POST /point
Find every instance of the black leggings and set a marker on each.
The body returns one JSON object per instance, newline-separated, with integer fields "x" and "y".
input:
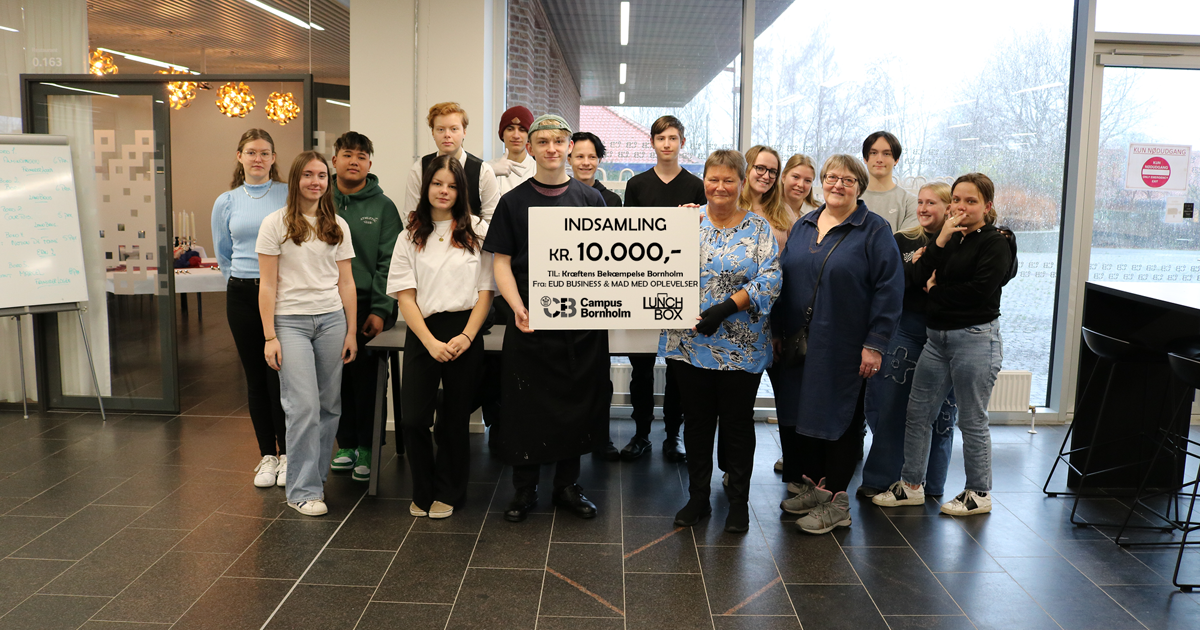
{"x": 262, "y": 383}
{"x": 833, "y": 460}
{"x": 442, "y": 477}
{"x": 712, "y": 397}
{"x": 641, "y": 394}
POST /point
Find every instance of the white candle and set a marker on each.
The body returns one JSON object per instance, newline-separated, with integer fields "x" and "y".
{"x": 175, "y": 224}
{"x": 192, "y": 226}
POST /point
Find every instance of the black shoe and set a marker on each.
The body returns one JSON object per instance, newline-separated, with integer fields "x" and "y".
{"x": 608, "y": 452}
{"x": 866, "y": 492}
{"x": 637, "y": 447}
{"x": 673, "y": 449}
{"x": 521, "y": 503}
{"x": 738, "y": 521}
{"x": 571, "y": 498}
{"x": 691, "y": 513}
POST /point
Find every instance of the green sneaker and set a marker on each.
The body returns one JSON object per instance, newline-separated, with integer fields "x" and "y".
{"x": 362, "y": 466}
{"x": 344, "y": 459}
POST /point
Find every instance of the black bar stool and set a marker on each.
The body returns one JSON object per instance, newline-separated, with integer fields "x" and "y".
{"x": 1111, "y": 352}
{"x": 1176, "y": 444}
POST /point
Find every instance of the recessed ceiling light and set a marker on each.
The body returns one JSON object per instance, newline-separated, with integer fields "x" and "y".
{"x": 11, "y": 30}
{"x": 624, "y": 23}
{"x": 145, "y": 60}
{"x": 333, "y": 102}
{"x": 74, "y": 89}
{"x": 622, "y": 74}
{"x": 287, "y": 16}
{"x": 621, "y": 98}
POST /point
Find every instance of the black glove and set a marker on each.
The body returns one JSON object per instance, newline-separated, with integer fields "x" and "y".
{"x": 711, "y": 319}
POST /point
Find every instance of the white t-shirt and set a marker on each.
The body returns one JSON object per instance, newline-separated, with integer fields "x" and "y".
{"x": 308, "y": 272}
{"x": 447, "y": 278}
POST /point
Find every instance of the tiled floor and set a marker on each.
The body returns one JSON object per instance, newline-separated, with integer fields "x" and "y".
{"x": 151, "y": 522}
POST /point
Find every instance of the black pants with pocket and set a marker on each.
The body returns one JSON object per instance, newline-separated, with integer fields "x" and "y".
{"x": 711, "y": 398}
{"x": 442, "y": 477}
{"x": 566, "y": 473}
{"x": 262, "y": 382}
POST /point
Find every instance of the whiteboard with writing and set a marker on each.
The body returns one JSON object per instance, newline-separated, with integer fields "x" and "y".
{"x": 41, "y": 254}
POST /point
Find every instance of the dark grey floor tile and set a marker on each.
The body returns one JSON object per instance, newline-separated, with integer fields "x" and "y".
{"x": 77, "y": 536}
{"x": 395, "y": 478}
{"x": 1162, "y": 561}
{"x": 68, "y": 497}
{"x": 341, "y": 495}
{"x": 115, "y": 564}
{"x": 711, "y": 530}
{"x": 584, "y": 580}
{"x": 187, "y": 507}
{"x": 256, "y": 502}
{"x": 224, "y": 533}
{"x": 235, "y": 604}
{"x": 166, "y": 590}
{"x": 469, "y": 518}
{"x": 666, "y": 601}
{"x": 17, "y": 531}
{"x": 900, "y": 583}
{"x": 313, "y": 606}
{"x": 1050, "y": 517}
{"x": 427, "y": 569}
{"x": 993, "y": 601}
{"x": 919, "y": 622}
{"x": 123, "y": 625}
{"x": 497, "y": 598}
{"x": 943, "y": 544}
{"x": 349, "y": 567}
{"x": 389, "y": 616}
{"x": 579, "y": 623}
{"x": 749, "y": 622}
{"x": 505, "y": 545}
{"x": 743, "y": 581}
{"x": 378, "y": 524}
{"x": 835, "y": 607}
{"x": 805, "y": 559}
{"x": 652, "y": 495}
{"x": 656, "y": 545}
{"x": 605, "y": 528}
{"x": 22, "y": 578}
{"x": 1004, "y": 535}
{"x": 284, "y": 550}
{"x": 1107, "y": 564}
{"x": 150, "y": 486}
{"x": 1162, "y": 607}
{"x": 870, "y": 527}
{"x": 52, "y": 612}
{"x": 37, "y": 478}
{"x": 1070, "y": 598}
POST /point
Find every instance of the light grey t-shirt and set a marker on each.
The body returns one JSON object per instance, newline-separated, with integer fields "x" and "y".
{"x": 897, "y": 205}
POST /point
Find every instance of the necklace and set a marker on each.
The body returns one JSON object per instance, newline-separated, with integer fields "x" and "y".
{"x": 441, "y": 235}
{"x": 722, "y": 227}
{"x": 260, "y": 196}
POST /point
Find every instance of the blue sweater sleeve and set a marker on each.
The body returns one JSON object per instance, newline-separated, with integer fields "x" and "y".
{"x": 764, "y": 288}
{"x": 222, "y": 238}
{"x": 887, "y": 279}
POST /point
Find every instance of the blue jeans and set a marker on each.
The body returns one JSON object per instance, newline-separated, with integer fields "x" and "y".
{"x": 967, "y": 360}
{"x": 887, "y": 404}
{"x": 310, "y": 386}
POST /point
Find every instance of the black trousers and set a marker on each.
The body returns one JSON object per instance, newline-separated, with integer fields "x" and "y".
{"x": 441, "y": 476}
{"x": 641, "y": 393}
{"x": 712, "y": 398}
{"x": 262, "y": 383}
{"x": 566, "y": 472}
{"x": 358, "y": 389}
{"x": 833, "y": 460}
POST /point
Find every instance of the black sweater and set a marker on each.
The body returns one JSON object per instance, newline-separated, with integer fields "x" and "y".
{"x": 915, "y": 299}
{"x": 970, "y": 272}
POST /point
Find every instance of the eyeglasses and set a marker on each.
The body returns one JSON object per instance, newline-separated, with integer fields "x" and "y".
{"x": 253, "y": 154}
{"x": 832, "y": 180}
{"x": 769, "y": 172}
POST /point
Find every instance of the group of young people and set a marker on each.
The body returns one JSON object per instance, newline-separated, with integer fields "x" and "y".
{"x": 320, "y": 264}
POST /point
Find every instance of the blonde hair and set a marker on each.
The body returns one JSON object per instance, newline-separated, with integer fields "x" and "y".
{"x": 942, "y": 190}
{"x": 799, "y": 160}
{"x": 849, "y": 163}
{"x": 445, "y": 109}
{"x": 774, "y": 210}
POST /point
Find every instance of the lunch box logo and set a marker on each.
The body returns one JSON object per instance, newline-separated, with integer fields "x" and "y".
{"x": 558, "y": 307}
{"x": 665, "y": 307}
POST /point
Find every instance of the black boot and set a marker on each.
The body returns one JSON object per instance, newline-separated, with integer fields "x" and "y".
{"x": 608, "y": 452}
{"x": 673, "y": 449}
{"x": 523, "y": 501}
{"x": 738, "y": 521}
{"x": 638, "y": 446}
{"x": 691, "y": 513}
{"x": 571, "y": 498}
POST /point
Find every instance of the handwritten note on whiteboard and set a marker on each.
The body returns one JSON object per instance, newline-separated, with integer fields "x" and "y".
{"x": 41, "y": 255}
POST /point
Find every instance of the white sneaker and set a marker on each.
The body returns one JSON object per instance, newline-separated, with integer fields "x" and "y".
{"x": 900, "y": 494}
{"x": 416, "y": 511}
{"x": 265, "y": 471}
{"x": 968, "y": 502}
{"x": 281, "y": 472}
{"x": 440, "y": 510}
{"x": 315, "y": 507}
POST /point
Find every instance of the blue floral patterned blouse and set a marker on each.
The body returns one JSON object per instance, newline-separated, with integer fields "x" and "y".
{"x": 745, "y": 256}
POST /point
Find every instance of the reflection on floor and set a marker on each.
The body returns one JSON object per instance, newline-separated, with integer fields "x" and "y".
{"x": 152, "y": 522}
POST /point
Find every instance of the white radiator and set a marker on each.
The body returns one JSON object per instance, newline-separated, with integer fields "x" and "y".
{"x": 1011, "y": 392}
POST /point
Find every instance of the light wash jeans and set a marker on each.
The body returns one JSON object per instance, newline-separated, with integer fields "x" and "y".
{"x": 886, "y": 408}
{"x": 967, "y": 360}
{"x": 310, "y": 386}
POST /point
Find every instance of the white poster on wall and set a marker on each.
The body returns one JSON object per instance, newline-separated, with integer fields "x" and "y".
{"x": 1158, "y": 167}
{"x": 613, "y": 268}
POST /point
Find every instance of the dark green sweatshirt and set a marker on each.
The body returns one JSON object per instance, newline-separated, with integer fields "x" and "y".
{"x": 374, "y": 225}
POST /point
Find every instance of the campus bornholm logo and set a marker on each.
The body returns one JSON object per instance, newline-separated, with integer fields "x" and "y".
{"x": 665, "y": 307}
{"x": 558, "y": 307}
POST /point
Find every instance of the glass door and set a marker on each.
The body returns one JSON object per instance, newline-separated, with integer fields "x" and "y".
{"x": 120, "y": 138}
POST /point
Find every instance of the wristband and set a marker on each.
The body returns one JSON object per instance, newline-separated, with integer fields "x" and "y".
{"x": 469, "y": 339}
{"x": 270, "y": 339}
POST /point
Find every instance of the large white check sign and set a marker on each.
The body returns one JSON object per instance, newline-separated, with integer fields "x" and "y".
{"x": 613, "y": 268}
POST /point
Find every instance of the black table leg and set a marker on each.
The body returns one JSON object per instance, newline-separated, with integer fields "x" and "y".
{"x": 377, "y": 443}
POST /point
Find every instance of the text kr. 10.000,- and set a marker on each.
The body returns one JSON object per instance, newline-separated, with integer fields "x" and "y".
{"x": 617, "y": 251}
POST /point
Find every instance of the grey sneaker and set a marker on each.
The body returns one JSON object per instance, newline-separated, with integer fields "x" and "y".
{"x": 809, "y": 496}
{"x": 827, "y": 516}
{"x": 900, "y": 494}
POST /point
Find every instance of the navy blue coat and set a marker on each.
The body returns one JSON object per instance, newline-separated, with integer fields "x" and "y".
{"x": 858, "y": 305}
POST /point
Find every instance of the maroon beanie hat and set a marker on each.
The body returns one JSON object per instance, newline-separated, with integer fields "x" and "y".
{"x": 518, "y": 115}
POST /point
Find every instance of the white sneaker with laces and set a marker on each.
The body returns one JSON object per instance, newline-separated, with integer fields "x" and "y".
{"x": 900, "y": 494}
{"x": 265, "y": 471}
{"x": 281, "y": 472}
{"x": 968, "y": 502}
{"x": 316, "y": 507}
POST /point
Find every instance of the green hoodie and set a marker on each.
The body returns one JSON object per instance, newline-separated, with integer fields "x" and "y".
{"x": 374, "y": 225}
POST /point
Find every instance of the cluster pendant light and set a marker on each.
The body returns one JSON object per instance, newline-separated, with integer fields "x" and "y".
{"x": 101, "y": 63}
{"x": 181, "y": 93}
{"x": 281, "y": 107}
{"x": 235, "y": 100}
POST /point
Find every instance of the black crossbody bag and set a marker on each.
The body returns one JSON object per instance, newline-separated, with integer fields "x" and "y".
{"x": 795, "y": 346}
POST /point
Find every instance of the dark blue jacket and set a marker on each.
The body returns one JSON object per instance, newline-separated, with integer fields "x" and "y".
{"x": 859, "y": 304}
